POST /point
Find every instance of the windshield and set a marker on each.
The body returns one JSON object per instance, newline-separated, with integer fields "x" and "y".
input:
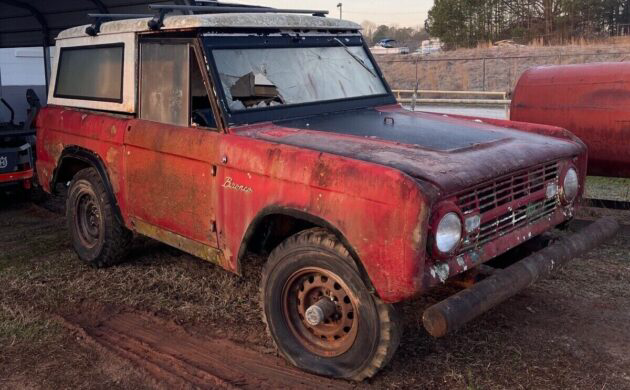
{"x": 268, "y": 77}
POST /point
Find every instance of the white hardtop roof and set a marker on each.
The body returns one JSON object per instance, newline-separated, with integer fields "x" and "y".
{"x": 237, "y": 20}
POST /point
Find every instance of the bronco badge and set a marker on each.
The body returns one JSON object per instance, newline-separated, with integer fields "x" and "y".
{"x": 4, "y": 161}
{"x": 229, "y": 184}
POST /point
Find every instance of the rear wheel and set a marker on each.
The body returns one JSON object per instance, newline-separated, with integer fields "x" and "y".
{"x": 319, "y": 312}
{"x": 98, "y": 235}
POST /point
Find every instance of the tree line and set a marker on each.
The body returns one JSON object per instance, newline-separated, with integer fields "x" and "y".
{"x": 465, "y": 23}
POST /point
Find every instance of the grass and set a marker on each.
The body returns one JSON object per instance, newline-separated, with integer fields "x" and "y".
{"x": 22, "y": 325}
{"x": 38, "y": 264}
{"x": 154, "y": 280}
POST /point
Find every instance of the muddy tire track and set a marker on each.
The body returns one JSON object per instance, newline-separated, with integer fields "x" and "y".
{"x": 177, "y": 358}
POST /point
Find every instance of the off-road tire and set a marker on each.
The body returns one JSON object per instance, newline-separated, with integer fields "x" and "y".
{"x": 109, "y": 245}
{"x": 379, "y": 330}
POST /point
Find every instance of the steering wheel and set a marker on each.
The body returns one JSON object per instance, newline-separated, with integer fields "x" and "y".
{"x": 199, "y": 118}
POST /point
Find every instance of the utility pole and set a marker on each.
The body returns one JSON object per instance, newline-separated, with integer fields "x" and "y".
{"x": 340, "y": 6}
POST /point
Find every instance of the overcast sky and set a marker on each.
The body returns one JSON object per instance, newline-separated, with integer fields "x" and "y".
{"x": 411, "y": 13}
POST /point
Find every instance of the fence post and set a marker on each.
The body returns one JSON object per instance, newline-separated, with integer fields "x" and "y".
{"x": 509, "y": 65}
{"x": 417, "y": 81}
{"x": 483, "y": 87}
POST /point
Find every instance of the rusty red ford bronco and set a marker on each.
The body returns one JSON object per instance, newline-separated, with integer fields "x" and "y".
{"x": 240, "y": 129}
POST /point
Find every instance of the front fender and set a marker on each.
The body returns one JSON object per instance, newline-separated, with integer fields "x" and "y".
{"x": 378, "y": 212}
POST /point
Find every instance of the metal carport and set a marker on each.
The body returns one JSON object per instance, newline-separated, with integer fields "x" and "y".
{"x": 36, "y": 23}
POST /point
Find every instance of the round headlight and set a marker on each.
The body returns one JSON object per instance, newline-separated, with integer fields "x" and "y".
{"x": 570, "y": 185}
{"x": 448, "y": 233}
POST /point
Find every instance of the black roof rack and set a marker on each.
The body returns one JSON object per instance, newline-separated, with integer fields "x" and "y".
{"x": 221, "y": 8}
{"x": 213, "y": 7}
{"x": 221, "y": 4}
{"x": 95, "y": 27}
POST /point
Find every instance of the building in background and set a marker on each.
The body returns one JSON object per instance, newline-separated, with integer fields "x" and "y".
{"x": 21, "y": 69}
{"x": 432, "y": 45}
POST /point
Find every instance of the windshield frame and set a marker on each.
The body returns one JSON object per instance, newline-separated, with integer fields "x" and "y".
{"x": 211, "y": 42}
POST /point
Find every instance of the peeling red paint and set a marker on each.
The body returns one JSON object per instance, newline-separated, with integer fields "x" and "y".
{"x": 590, "y": 100}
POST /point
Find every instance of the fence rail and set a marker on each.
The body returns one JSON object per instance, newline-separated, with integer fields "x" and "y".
{"x": 407, "y": 96}
{"x": 498, "y": 94}
{"x": 383, "y": 59}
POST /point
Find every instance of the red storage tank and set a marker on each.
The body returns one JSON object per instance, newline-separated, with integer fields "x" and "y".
{"x": 590, "y": 100}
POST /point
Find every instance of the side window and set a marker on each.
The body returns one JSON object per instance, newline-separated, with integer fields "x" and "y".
{"x": 91, "y": 73}
{"x": 171, "y": 86}
{"x": 164, "y": 83}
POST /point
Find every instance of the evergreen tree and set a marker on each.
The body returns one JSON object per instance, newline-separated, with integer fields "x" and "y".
{"x": 465, "y": 23}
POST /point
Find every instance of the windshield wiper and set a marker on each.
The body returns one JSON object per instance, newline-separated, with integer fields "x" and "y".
{"x": 354, "y": 56}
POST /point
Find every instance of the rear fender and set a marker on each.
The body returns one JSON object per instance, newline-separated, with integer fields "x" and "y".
{"x": 93, "y": 160}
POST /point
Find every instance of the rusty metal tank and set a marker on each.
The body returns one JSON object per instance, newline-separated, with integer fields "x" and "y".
{"x": 590, "y": 100}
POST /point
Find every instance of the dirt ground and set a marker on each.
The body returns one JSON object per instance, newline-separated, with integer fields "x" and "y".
{"x": 167, "y": 320}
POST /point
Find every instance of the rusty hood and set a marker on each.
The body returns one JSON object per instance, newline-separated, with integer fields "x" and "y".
{"x": 452, "y": 153}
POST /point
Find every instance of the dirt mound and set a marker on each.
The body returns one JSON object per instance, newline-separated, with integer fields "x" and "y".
{"x": 176, "y": 357}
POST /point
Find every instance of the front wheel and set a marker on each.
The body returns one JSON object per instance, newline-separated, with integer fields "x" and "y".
{"x": 319, "y": 312}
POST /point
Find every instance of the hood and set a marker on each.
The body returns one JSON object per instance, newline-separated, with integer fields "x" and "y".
{"x": 452, "y": 153}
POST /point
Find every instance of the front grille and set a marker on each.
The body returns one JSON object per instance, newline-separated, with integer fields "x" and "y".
{"x": 509, "y": 203}
{"x": 512, "y": 220}
{"x": 508, "y": 189}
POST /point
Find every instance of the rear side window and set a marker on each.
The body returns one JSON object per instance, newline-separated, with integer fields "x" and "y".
{"x": 90, "y": 73}
{"x": 165, "y": 83}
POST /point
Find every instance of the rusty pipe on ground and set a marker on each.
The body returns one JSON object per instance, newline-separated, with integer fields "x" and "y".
{"x": 456, "y": 310}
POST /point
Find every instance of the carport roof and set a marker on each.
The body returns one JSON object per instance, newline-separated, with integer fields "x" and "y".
{"x": 26, "y": 23}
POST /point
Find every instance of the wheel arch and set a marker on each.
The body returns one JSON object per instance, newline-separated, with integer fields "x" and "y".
{"x": 75, "y": 158}
{"x": 269, "y": 221}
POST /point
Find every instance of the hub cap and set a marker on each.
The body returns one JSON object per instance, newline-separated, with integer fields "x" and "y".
{"x": 320, "y": 311}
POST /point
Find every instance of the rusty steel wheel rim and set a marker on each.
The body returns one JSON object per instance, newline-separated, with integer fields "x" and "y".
{"x": 87, "y": 220}
{"x": 337, "y": 333}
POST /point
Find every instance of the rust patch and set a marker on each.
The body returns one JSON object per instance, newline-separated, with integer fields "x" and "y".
{"x": 322, "y": 174}
{"x": 195, "y": 248}
{"x": 418, "y": 235}
{"x": 112, "y": 165}
{"x": 54, "y": 149}
{"x": 603, "y": 95}
{"x": 112, "y": 155}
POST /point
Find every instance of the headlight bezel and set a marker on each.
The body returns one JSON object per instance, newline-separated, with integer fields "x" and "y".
{"x": 439, "y": 215}
{"x": 564, "y": 196}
